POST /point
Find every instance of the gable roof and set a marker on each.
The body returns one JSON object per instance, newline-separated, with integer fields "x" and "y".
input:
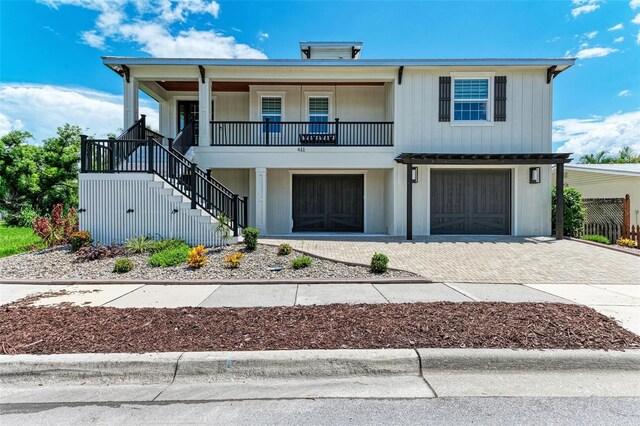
{"x": 625, "y": 169}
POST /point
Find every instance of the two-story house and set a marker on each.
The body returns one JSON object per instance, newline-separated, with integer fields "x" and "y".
{"x": 327, "y": 143}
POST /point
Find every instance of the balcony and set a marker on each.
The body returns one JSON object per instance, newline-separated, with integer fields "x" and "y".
{"x": 301, "y": 133}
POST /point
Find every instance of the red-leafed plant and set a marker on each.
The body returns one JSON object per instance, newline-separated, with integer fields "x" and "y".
{"x": 58, "y": 227}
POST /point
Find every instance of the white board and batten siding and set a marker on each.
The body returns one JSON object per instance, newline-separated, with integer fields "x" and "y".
{"x": 157, "y": 210}
{"x": 527, "y": 128}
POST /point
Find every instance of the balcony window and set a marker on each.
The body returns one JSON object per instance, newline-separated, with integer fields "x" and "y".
{"x": 318, "y": 114}
{"x": 272, "y": 110}
{"x": 470, "y": 99}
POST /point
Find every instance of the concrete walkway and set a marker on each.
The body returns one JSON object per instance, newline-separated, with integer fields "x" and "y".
{"x": 619, "y": 301}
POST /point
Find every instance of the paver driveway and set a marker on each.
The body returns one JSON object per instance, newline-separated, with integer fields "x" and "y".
{"x": 538, "y": 260}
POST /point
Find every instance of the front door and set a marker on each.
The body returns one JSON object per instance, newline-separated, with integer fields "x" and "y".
{"x": 328, "y": 203}
{"x": 188, "y": 110}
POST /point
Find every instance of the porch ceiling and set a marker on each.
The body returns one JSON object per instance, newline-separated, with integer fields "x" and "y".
{"x": 243, "y": 86}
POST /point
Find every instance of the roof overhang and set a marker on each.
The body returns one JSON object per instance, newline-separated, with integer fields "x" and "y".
{"x": 560, "y": 64}
{"x": 483, "y": 159}
{"x": 603, "y": 170}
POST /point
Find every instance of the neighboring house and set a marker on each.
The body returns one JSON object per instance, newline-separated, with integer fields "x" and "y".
{"x": 607, "y": 181}
{"x": 328, "y": 143}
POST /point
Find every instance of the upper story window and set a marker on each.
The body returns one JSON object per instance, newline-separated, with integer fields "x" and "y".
{"x": 272, "y": 110}
{"x": 470, "y": 99}
{"x": 318, "y": 114}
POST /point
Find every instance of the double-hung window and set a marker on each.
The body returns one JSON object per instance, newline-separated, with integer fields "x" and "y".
{"x": 470, "y": 99}
{"x": 318, "y": 114}
{"x": 272, "y": 110}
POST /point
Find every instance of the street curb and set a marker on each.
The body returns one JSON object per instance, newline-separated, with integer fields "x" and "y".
{"x": 413, "y": 280}
{"x": 167, "y": 368}
{"x": 528, "y": 360}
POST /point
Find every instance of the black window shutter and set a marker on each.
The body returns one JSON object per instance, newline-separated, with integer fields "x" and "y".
{"x": 444, "y": 104}
{"x": 500, "y": 98}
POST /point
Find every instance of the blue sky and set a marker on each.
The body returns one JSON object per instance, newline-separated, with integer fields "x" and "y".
{"x": 51, "y": 72}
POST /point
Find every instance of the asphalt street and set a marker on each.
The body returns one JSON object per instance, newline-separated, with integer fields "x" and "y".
{"x": 439, "y": 411}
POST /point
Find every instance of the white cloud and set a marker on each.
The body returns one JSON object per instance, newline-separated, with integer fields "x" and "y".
{"x": 41, "y": 109}
{"x": 636, "y": 20}
{"x": 635, "y": 4}
{"x": 262, "y": 36}
{"x": 591, "y": 35}
{"x": 618, "y": 39}
{"x": 595, "y": 52}
{"x": 584, "y": 6}
{"x": 638, "y": 38}
{"x": 616, "y": 27}
{"x": 154, "y": 26}
{"x": 591, "y": 135}
{"x": 624, "y": 93}
{"x": 93, "y": 39}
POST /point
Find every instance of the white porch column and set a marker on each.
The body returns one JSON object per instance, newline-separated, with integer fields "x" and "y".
{"x": 131, "y": 108}
{"x": 261, "y": 200}
{"x": 204, "y": 112}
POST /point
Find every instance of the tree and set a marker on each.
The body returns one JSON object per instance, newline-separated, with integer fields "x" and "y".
{"x": 626, "y": 155}
{"x": 19, "y": 174}
{"x": 35, "y": 178}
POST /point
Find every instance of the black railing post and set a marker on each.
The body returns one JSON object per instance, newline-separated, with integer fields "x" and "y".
{"x": 234, "y": 209}
{"x": 112, "y": 155}
{"x": 194, "y": 184}
{"x": 266, "y": 128}
{"x": 336, "y": 132}
{"x": 83, "y": 153}
{"x": 245, "y": 212}
{"x": 150, "y": 154}
{"x": 170, "y": 143}
{"x": 143, "y": 126}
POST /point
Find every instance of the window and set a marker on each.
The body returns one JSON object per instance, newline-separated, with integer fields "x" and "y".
{"x": 272, "y": 110}
{"x": 470, "y": 99}
{"x": 318, "y": 114}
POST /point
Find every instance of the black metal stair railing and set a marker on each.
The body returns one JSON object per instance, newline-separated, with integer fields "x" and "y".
{"x": 149, "y": 156}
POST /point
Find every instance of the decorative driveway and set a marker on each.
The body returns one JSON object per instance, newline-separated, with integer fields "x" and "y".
{"x": 538, "y": 260}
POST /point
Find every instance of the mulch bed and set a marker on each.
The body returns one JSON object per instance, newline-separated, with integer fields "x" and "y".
{"x": 47, "y": 330}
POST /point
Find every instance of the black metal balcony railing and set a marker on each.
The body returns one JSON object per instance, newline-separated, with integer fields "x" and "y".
{"x": 301, "y": 133}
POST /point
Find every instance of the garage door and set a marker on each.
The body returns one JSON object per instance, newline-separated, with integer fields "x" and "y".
{"x": 328, "y": 203}
{"x": 471, "y": 202}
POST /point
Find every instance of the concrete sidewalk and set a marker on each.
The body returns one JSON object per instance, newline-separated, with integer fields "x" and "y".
{"x": 620, "y": 301}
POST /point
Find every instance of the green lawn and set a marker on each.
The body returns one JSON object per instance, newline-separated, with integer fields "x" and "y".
{"x": 14, "y": 240}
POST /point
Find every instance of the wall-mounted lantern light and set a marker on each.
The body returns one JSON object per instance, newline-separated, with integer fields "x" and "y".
{"x": 414, "y": 174}
{"x": 534, "y": 175}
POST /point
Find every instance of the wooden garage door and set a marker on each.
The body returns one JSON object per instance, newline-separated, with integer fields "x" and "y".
{"x": 471, "y": 202}
{"x": 328, "y": 203}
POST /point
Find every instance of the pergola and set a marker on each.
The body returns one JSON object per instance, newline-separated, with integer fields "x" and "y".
{"x": 559, "y": 159}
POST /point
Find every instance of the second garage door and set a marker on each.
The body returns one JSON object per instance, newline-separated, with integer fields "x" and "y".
{"x": 328, "y": 203}
{"x": 471, "y": 202}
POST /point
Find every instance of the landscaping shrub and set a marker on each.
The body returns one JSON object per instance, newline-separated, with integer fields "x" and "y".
{"x": 233, "y": 260}
{"x": 99, "y": 252}
{"x": 597, "y": 238}
{"x": 122, "y": 266}
{"x": 379, "y": 263}
{"x": 138, "y": 244}
{"x": 222, "y": 229}
{"x": 197, "y": 257}
{"x": 573, "y": 211}
{"x": 160, "y": 245}
{"x": 626, "y": 242}
{"x": 80, "y": 239}
{"x": 301, "y": 262}
{"x": 58, "y": 227}
{"x": 284, "y": 249}
{"x": 172, "y": 255}
{"x": 250, "y": 238}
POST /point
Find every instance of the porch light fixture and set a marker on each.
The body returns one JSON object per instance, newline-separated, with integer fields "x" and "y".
{"x": 534, "y": 175}
{"x": 414, "y": 174}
